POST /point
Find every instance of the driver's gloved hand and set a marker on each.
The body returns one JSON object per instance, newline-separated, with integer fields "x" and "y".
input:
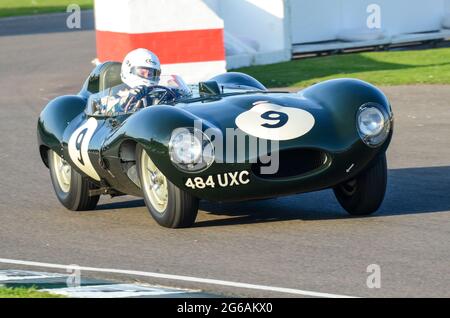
{"x": 140, "y": 92}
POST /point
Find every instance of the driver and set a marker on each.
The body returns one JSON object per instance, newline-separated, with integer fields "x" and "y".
{"x": 140, "y": 71}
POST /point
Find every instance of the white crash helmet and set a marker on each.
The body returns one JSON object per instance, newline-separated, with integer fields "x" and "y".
{"x": 141, "y": 67}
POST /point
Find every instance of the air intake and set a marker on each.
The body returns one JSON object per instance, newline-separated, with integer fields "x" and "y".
{"x": 294, "y": 163}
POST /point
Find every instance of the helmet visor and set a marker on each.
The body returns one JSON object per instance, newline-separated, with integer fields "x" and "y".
{"x": 148, "y": 73}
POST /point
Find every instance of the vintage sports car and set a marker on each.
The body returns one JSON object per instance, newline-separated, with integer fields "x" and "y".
{"x": 170, "y": 148}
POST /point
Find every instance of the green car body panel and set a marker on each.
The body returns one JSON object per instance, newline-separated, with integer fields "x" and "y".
{"x": 333, "y": 104}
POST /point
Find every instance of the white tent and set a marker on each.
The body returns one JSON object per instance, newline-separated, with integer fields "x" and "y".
{"x": 279, "y": 27}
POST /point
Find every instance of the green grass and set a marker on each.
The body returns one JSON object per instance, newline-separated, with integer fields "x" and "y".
{"x": 6, "y": 292}
{"x": 10, "y": 8}
{"x": 379, "y": 68}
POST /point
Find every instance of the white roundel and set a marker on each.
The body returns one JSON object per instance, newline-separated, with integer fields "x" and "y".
{"x": 275, "y": 122}
{"x": 79, "y": 146}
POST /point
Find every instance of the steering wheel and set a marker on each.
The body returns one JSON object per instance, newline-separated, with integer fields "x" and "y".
{"x": 168, "y": 96}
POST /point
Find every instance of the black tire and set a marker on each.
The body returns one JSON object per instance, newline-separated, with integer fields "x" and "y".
{"x": 77, "y": 197}
{"x": 181, "y": 208}
{"x": 364, "y": 194}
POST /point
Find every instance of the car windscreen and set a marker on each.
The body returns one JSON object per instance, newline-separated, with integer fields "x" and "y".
{"x": 114, "y": 101}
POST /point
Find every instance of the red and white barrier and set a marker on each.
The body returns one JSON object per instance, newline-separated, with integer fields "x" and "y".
{"x": 187, "y": 35}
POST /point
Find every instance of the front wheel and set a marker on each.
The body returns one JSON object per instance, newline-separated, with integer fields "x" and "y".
{"x": 364, "y": 194}
{"x": 170, "y": 206}
{"x": 71, "y": 188}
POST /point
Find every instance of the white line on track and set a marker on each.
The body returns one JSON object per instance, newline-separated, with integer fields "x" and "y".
{"x": 179, "y": 278}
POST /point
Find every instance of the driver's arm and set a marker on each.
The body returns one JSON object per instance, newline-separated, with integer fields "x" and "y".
{"x": 140, "y": 92}
{"x": 135, "y": 96}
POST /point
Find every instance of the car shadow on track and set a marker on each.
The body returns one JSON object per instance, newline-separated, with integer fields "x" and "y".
{"x": 121, "y": 205}
{"x": 410, "y": 191}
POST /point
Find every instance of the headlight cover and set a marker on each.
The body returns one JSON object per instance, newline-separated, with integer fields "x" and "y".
{"x": 190, "y": 149}
{"x": 373, "y": 123}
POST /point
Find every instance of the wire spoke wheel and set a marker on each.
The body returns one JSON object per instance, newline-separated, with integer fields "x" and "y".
{"x": 349, "y": 188}
{"x": 154, "y": 184}
{"x": 364, "y": 194}
{"x": 71, "y": 188}
{"x": 168, "y": 205}
{"x": 63, "y": 172}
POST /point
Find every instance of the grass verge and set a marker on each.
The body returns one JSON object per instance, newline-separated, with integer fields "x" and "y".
{"x": 9, "y": 8}
{"x": 379, "y": 68}
{"x": 6, "y": 292}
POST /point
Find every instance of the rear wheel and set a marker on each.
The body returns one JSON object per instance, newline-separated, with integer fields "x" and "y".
{"x": 170, "y": 206}
{"x": 71, "y": 188}
{"x": 364, "y": 194}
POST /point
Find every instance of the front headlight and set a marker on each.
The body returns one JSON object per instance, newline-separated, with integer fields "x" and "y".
{"x": 373, "y": 123}
{"x": 190, "y": 150}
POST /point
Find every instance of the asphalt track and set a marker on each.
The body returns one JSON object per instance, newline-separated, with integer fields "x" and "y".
{"x": 304, "y": 242}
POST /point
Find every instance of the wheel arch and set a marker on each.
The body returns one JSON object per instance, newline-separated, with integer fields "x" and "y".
{"x": 53, "y": 121}
{"x": 345, "y": 94}
{"x": 152, "y": 129}
{"x": 43, "y": 151}
{"x": 240, "y": 79}
{"x": 342, "y": 98}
